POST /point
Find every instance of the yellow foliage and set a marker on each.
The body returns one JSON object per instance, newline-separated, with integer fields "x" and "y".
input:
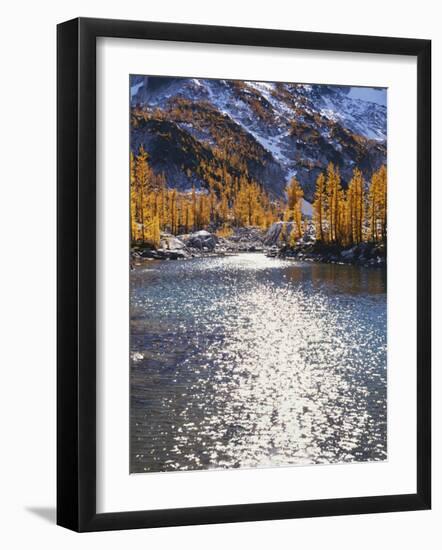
{"x": 342, "y": 216}
{"x": 348, "y": 217}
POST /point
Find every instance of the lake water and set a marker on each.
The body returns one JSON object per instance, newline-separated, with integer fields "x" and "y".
{"x": 249, "y": 361}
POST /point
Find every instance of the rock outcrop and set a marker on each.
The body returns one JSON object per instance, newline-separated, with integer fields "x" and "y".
{"x": 280, "y": 232}
{"x": 201, "y": 240}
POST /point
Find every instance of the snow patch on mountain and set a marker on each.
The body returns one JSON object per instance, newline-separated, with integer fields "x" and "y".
{"x": 134, "y": 89}
{"x": 307, "y": 208}
{"x": 362, "y": 117}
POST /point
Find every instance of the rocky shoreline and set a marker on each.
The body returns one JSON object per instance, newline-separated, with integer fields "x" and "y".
{"x": 363, "y": 254}
{"x": 204, "y": 243}
{"x": 200, "y": 244}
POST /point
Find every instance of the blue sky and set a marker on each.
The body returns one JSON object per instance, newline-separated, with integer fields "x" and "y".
{"x": 376, "y": 95}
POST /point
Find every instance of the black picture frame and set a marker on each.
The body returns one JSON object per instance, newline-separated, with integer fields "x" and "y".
{"x": 77, "y": 286}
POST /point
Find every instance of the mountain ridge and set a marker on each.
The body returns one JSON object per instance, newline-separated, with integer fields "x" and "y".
{"x": 272, "y": 130}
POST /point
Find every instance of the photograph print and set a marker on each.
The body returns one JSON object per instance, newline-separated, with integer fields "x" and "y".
{"x": 258, "y": 261}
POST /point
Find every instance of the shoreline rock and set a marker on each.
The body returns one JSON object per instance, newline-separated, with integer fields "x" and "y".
{"x": 364, "y": 254}
{"x": 200, "y": 244}
{"x": 206, "y": 244}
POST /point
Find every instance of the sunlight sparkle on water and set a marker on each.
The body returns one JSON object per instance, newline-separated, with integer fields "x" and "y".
{"x": 251, "y": 361}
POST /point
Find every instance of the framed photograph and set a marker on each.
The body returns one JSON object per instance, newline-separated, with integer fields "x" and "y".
{"x": 230, "y": 202}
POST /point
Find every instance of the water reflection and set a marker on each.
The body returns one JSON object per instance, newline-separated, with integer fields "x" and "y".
{"x": 248, "y": 361}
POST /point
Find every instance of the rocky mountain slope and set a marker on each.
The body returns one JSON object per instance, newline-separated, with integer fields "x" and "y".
{"x": 199, "y": 128}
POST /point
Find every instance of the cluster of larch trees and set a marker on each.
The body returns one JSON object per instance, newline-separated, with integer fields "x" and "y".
{"x": 341, "y": 216}
{"x": 350, "y": 216}
{"x": 156, "y": 208}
